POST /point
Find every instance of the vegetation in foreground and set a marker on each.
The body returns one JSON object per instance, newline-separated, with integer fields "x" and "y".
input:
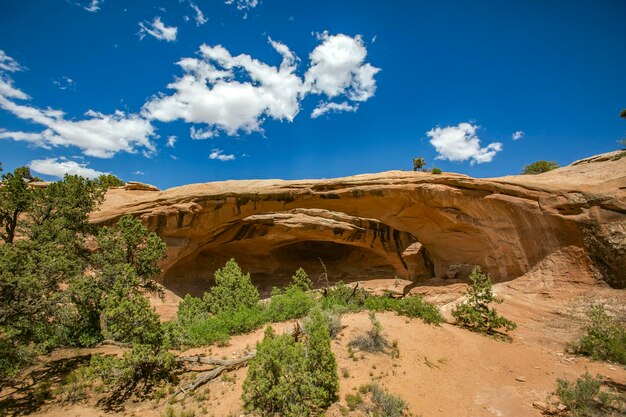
{"x": 604, "y": 338}
{"x": 293, "y": 377}
{"x": 373, "y": 400}
{"x": 58, "y": 291}
{"x": 588, "y": 396}
{"x": 475, "y": 313}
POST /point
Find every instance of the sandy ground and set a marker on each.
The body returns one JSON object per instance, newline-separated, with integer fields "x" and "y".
{"x": 441, "y": 370}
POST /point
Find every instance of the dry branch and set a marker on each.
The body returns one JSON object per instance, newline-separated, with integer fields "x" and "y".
{"x": 203, "y": 378}
{"x": 222, "y": 365}
{"x": 110, "y": 342}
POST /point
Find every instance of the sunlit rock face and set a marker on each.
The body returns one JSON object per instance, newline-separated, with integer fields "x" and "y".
{"x": 408, "y": 225}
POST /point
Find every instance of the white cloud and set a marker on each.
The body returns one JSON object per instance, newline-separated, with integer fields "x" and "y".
{"x": 338, "y": 67}
{"x": 64, "y": 83}
{"x": 100, "y": 135}
{"x": 218, "y": 154}
{"x": 9, "y": 64}
{"x": 460, "y": 143}
{"x": 517, "y": 135}
{"x": 324, "y": 108}
{"x": 58, "y": 167}
{"x": 158, "y": 30}
{"x": 34, "y": 138}
{"x": 8, "y": 90}
{"x": 234, "y": 94}
{"x": 139, "y": 173}
{"x": 221, "y": 92}
{"x": 243, "y": 4}
{"x": 209, "y": 92}
{"x": 200, "y": 19}
{"x": 171, "y": 141}
{"x": 201, "y": 134}
{"x": 93, "y": 6}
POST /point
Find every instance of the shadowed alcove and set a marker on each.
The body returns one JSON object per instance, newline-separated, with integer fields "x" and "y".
{"x": 272, "y": 247}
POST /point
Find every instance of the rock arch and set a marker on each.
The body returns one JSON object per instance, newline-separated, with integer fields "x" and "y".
{"x": 411, "y": 225}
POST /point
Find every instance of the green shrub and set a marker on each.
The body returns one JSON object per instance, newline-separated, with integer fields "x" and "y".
{"x": 411, "y": 306}
{"x": 415, "y": 306}
{"x": 195, "y": 326}
{"x": 354, "y": 401}
{"x": 109, "y": 180}
{"x": 586, "y": 398}
{"x": 290, "y": 304}
{"x": 232, "y": 290}
{"x": 301, "y": 280}
{"x": 373, "y": 341}
{"x": 321, "y": 362}
{"x": 127, "y": 315}
{"x": 293, "y": 378}
{"x": 604, "y": 339}
{"x": 141, "y": 363}
{"x": 475, "y": 313}
{"x": 344, "y": 297}
{"x": 539, "y": 167}
{"x": 418, "y": 163}
{"x": 333, "y": 319}
{"x": 435, "y": 170}
{"x": 382, "y": 403}
{"x": 241, "y": 320}
{"x": 205, "y": 330}
{"x": 191, "y": 309}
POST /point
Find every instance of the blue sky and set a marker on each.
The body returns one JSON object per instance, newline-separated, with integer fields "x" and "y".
{"x": 102, "y": 86}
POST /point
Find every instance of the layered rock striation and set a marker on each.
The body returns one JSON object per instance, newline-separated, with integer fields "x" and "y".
{"x": 401, "y": 224}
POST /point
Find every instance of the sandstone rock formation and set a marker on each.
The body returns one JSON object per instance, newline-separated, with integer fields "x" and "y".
{"x": 409, "y": 225}
{"x": 139, "y": 186}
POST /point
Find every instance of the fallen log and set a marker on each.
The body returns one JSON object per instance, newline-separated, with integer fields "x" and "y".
{"x": 110, "y": 342}
{"x": 222, "y": 365}
{"x": 203, "y": 378}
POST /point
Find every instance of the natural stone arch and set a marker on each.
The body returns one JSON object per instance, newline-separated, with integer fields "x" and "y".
{"x": 507, "y": 226}
{"x": 271, "y": 246}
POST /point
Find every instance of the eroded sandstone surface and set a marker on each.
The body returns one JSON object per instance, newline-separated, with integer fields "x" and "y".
{"x": 411, "y": 225}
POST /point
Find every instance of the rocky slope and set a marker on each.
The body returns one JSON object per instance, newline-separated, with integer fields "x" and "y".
{"x": 415, "y": 226}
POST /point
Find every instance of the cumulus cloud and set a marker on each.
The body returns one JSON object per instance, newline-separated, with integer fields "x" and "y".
{"x": 331, "y": 107}
{"x": 199, "y": 17}
{"x": 235, "y": 94}
{"x": 157, "y": 29}
{"x": 338, "y": 67}
{"x": 171, "y": 141}
{"x": 218, "y": 91}
{"x": 517, "y": 135}
{"x": 201, "y": 134}
{"x": 58, "y": 167}
{"x": 97, "y": 134}
{"x": 100, "y": 135}
{"x": 209, "y": 92}
{"x": 220, "y": 156}
{"x": 460, "y": 143}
